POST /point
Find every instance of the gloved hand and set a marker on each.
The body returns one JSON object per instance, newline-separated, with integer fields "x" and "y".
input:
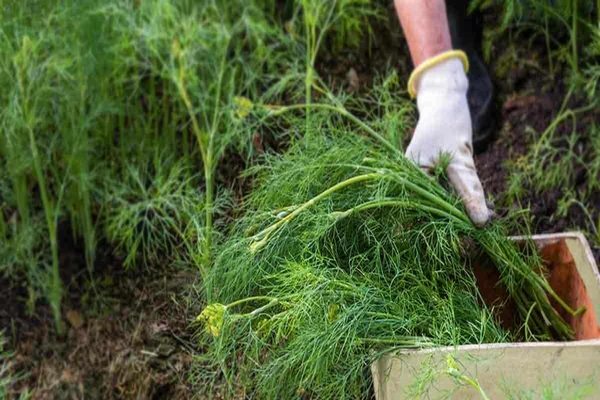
{"x": 445, "y": 127}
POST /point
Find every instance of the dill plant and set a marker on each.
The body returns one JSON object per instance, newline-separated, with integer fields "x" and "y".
{"x": 565, "y": 26}
{"x": 147, "y": 216}
{"x": 28, "y": 78}
{"x": 205, "y": 55}
{"x": 109, "y": 110}
{"x": 564, "y": 154}
{"x": 347, "y": 250}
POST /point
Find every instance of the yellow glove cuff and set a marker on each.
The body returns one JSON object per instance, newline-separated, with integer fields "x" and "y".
{"x": 433, "y": 61}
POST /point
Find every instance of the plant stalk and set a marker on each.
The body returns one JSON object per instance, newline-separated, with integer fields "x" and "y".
{"x": 343, "y": 112}
{"x": 202, "y": 138}
{"x": 263, "y": 235}
{"x": 249, "y": 299}
{"x": 574, "y": 37}
{"x": 399, "y": 203}
{"x": 55, "y": 296}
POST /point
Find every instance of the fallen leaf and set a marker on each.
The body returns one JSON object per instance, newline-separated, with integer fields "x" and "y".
{"x": 158, "y": 327}
{"x": 353, "y": 79}
{"x": 68, "y": 376}
{"x": 75, "y": 318}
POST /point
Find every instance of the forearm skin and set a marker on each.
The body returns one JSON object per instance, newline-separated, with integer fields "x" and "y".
{"x": 425, "y": 26}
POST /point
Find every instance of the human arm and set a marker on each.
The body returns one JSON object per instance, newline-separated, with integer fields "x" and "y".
{"x": 444, "y": 125}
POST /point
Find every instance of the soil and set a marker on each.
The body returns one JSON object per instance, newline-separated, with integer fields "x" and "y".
{"x": 129, "y": 338}
{"x": 532, "y": 100}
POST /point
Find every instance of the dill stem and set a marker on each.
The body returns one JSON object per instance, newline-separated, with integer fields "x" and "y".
{"x": 208, "y": 205}
{"x": 538, "y": 285}
{"x": 545, "y": 285}
{"x": 200, "y": 136}
{"x": 360, "y": 178}
{"x": 454, "y": 212}
{"x": 342, "y": 111}
{"x": 471, "y": 382}
{"x": 401, "y": 203}
{"x": 249, "y": 299}
{"x": 434, "y": 199}
{"x": 536, "y": 321}
{"x": 206, "y": 154}
{"x": 209, "y": 168}
{"x": 49, "y": 212}
{"x": 55, "y": 291}
{"x": 259, "y": 310}
{"x": 409, "y": 341}
{"x": 527, "y": 330}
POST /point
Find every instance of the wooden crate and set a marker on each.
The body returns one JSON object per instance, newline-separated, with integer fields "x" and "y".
{"x": 498, "y": 368}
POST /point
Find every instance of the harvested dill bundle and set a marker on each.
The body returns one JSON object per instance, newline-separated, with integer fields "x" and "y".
{"x": 347, "y": 250}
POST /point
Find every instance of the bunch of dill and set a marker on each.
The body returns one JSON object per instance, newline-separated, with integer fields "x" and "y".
{"x": 346, "y": 250}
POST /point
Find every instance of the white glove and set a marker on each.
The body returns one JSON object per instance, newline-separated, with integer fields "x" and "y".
{"x": 445, "y": 127}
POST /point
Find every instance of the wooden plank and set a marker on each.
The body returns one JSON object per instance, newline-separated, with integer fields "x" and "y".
{"x": 523, "y": 366}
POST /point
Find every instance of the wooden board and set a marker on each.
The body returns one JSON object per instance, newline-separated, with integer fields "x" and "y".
{"x": 499, "y": 368}
{"x": 516, "y": 366}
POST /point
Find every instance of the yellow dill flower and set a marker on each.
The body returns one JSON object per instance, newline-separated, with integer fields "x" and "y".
{"x": 212, "y": 318}
{"x": 243, "y": 106}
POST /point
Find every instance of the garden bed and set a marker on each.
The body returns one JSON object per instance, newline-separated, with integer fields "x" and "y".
{"x": 127, "y": 330}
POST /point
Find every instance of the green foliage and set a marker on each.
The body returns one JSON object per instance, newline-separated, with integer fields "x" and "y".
{"x": 554, "y": 160}
{"x": 346, "y": 21}
{"x": 8, "y": 377}
{"x": 43, "y": 135}
{"x": 386, "y": 106}
{"x": 91, "y": 111}
{"x": 149, "y": 210}
{"x": 591, "y": 71}
{"x": 346, "y": 250}
{"x": 116, "y": 114}
{"x": 566, "y": 152}
{"x": 565, "y": 26}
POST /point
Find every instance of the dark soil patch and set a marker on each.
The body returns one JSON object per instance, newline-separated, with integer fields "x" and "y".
{"x": 127, "y": 338}
{"x": 533, "y": 102}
